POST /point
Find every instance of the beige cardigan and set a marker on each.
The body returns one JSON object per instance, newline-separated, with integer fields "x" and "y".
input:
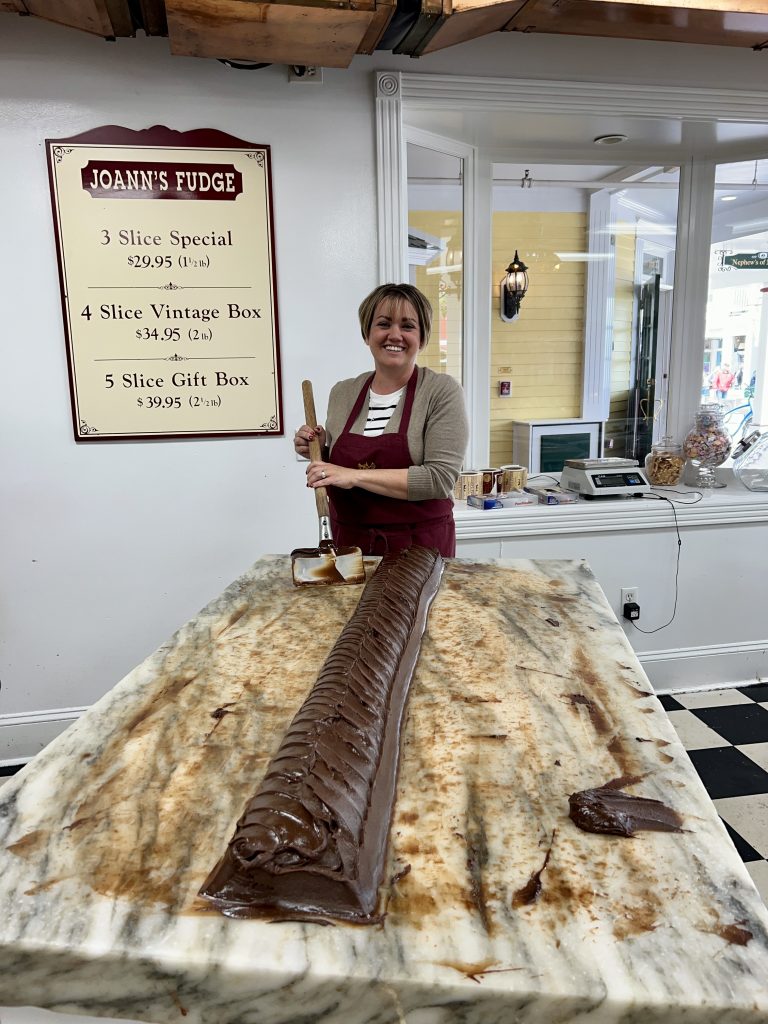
{"x": 437, "y": 433}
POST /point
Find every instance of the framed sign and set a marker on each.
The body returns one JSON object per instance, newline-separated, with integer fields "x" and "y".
{"x": 167, "y": 270}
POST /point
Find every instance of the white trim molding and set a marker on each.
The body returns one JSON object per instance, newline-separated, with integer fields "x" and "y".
{"x": 689, "y": 314}
{"x": 599, "y": 308}
{"x": 712, "y": 666}
{"x": 25, "y": 734}
{"x": 392, "y": 188}
{"x": 436, "y": 92}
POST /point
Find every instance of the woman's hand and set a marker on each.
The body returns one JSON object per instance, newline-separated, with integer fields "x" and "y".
{"x": 304, "y": 435}
{"x": 392, "y": 483}
{"x": 325, "y": 474}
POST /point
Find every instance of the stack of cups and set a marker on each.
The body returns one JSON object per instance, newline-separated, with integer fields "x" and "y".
{"x": 469, "y": 482}
{"x": 511, "y": 478}
{"x": 493, "y": 480}
{"x": 504, "y": 479}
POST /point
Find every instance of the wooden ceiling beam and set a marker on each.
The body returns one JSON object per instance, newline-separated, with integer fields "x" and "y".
{"x": 729, "y": 6}
{"x": 471, "y": 19}
{"x": 322, "y": 33}
{"x": 630, "y": 19}
{"x": 431, "y": 17}
{"x": 153, "y": 17}
{"x": 107, "y": 18}
{"x": 328, "y": 33}
{"x": 379, "y": 23}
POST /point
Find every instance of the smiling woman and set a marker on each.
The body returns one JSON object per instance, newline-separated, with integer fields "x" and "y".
{"x": 395, "y": 439}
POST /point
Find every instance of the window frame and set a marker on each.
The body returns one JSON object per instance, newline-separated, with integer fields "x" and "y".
{"x": 396, "y": 92}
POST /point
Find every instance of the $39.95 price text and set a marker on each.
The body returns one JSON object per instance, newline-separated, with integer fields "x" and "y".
{"x": 174, "y": 402}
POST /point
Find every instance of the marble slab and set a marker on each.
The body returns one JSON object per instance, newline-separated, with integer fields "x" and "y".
{"x": 526, "y": 690}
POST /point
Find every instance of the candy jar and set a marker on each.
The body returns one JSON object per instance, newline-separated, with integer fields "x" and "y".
{"x": 750, "y": 459}
{"x": 664, "y": 463}
{"x": 706, "y": 446}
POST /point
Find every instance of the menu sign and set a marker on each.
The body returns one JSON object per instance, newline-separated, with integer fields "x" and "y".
{"x": 166, "y": 262}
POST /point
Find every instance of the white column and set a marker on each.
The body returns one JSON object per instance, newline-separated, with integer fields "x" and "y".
{"x": 760, "y": 399}
{"x": 392, "y": 185}
{"x": 694, "y": 240}
{"x": 598, "y": 317}
{"x": 479, "y": 308}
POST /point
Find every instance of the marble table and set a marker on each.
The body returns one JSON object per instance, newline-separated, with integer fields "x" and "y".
{"x": 526, "y": 690}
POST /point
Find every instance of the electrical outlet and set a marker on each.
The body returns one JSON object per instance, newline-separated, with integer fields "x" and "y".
{"x": 630, "y": 595}
{"x": 305, "y": 73}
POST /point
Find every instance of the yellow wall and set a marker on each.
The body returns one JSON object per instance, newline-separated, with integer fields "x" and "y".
{"x": 544, "y": 347}
{"x": 446, "y": 225}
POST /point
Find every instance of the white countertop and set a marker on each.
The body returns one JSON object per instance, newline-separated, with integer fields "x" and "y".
{"x": 730, "y": 504}
{"x": 526, "y": 690}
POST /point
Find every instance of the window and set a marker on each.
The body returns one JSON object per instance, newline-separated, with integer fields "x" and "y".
{"x": 487, "y": 121}
{"x": 735, "y": 353}
{"x": 435, "y": 251}
{"x": 592, "y": 338}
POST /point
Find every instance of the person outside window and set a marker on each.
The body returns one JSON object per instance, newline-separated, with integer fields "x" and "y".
{"x": 723, "y": 381}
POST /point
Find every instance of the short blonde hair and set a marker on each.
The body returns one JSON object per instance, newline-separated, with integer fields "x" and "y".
{"x": 397, "y": 293}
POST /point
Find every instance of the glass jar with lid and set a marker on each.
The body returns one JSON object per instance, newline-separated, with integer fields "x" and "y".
{"x": 750, "y": 459}
{"x": 706, "y": 446}
{"x": 664, "y": 463}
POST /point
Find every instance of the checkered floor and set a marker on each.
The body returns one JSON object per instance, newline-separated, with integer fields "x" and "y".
{"x": 726, "y": 735}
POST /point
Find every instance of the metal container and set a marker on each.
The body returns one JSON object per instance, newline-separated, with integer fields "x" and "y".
{"x": 750, "y": 465}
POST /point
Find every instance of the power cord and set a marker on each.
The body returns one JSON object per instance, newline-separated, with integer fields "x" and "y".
{"x": 543, "y": 476}
{"x": 671, "y": 502}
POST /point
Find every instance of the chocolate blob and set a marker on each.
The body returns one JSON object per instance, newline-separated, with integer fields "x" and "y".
{"x": 610, "y": 810}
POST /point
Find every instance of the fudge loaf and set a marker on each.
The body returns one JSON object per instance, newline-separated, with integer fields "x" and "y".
{"x": 312, "y": 841}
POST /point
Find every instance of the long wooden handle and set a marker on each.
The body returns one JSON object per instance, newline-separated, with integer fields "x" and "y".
{"x": 315, "y": 451}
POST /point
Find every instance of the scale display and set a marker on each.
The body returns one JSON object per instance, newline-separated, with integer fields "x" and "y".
{"x": 617, "y": 480}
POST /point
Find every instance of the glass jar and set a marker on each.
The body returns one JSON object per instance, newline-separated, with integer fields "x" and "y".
{"x": 706, "y": 446}
{"x": 664, "y": 463}
{"x": 750, "y": 459}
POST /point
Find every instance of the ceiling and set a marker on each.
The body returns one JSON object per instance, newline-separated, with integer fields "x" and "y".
{"x": 328, "y": 33}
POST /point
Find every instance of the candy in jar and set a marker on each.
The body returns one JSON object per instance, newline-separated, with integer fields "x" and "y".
{"x": 707, "y": 446}
{"x": 664, "y": 463}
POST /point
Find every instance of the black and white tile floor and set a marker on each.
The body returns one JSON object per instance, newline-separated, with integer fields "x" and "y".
{"x": 726, "y": 735}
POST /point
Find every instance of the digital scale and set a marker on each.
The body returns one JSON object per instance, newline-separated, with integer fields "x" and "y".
{"x": 604, "y": 478}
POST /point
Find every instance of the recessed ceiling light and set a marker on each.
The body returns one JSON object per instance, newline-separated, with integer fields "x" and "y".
{"x": 727, "y": 199}
{"x": 609, "y": 140}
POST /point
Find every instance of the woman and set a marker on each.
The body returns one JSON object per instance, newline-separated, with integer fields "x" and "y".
{"x": 394, "y": 439}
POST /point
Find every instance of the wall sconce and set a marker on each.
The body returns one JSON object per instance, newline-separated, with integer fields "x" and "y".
{"x": 514, "y": 285}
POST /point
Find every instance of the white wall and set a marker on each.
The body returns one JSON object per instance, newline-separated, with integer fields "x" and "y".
{"x": 108, "y": 548}
{"x": 105, "y": 549}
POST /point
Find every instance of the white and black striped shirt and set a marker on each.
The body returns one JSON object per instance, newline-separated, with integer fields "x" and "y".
{"x": 380, "y": 409}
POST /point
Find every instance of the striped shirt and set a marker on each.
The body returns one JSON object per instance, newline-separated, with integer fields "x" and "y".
{"x": 380, "y": 409}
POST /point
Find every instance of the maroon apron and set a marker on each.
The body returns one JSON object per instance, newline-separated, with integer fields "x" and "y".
{"x": 374, "y": 522}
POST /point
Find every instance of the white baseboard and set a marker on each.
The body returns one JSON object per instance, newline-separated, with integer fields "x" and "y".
{"x": 706, "y": 668}
{"x": 674, "y": 670}
{"x": 25, "y": 734}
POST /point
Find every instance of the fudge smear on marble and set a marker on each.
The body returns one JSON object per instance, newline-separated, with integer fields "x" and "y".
{"x": 312, "y": 841}
{"x": 609, "y": 810}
